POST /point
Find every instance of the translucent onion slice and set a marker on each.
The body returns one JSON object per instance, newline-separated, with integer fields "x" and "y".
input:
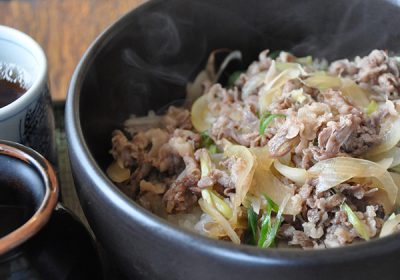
{"x": 322, "y": 81}
{"x": 259, "y": 79}
{"x": 273, "y": 88}
{"x": 385, "y": 163}
{"x": 253, "y": 83}
{"x": 214, "y": 199}
{"x": 253, "y": 202}
{"x": 390, "y": 226}
{"x": 396, "y": 179}
{"x": 199, "y": 114}
{"x": 393, "y": 153}
{"x": 118, "y": 174}
{"x": 390, "y": 140}
{"x": 263, "y": 157}
{"x": 357, "y": 95}
{"x": 334, "y": 171}
{"x": 219, "y": 218}
{"x": 265, "y": 183}
{"x": 195, "y": 90}
{"x": 281, "y": 66}
{"x": 297, "y": 175}
{"x": 230, "y": 57}
{"x": 245, "y": 176}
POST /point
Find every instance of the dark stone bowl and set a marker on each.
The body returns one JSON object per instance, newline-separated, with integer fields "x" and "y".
{"x": 143, "y": 62}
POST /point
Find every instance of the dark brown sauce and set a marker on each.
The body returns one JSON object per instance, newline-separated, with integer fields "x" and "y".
{"x": 11, "y": 218}
{"x": 9, "y": 92}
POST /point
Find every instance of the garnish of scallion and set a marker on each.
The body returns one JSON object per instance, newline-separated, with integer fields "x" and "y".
{"x": 355, "y": 221}
{"x": 233, "y": 78}
{"x": 266, "y": 119}
{"x": 269, "y": 228}
{"x": 372, "y": 107}
{"x": 208, "y": 143}
{"x": 252, "y": 223}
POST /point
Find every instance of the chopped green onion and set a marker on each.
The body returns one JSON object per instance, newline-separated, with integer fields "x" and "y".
{"x": 372, "y": 107}
{"x": 221, "y": 204}
{"x": 209, "y": 195}
{"x": 265, "y": 228}
{"x": 233, "y": 78}
{"x": 355, "y": 221}
{"x": 270, "y": 240}
{"x": 218, "y": 202}
{"x": 252, "y": 222}
{"x": 274, "y": 54}
{"x": 208, "y": 143}
{"x": 266, "y": 119}
{"x": 268, "y": 229}
{"x": 213, "y": 149}
{"x": 271, "y": 204}
{"x": 206, "y": 195}
{"x": 206, "y": 140}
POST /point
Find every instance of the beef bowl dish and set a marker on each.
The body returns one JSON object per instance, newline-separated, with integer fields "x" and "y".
{"x": 242, "y": 139}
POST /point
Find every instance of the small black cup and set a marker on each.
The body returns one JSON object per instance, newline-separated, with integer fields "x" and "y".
{"x": 39, "y": 238}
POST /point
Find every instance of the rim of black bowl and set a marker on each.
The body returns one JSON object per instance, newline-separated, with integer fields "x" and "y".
{"x": 285, "y": 256}
{"x": 43, "y": 213}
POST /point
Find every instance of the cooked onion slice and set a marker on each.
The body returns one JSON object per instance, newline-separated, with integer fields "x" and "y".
{"x": 265, "y": 183}
{"x": 199, "y": 114}
{"x": 396, "y": 179}
{"x": 263, "y": 157}
{"x": 390, "y": 226}
{"x": 273, "y": 88}
{"x": 322, "y": 81}
{"x": 357, "y": 95}
{"x": 244, "y": 176}
{"x": 334, "y": 171}
{"x": 117, "y": 173}
{"x": 390, "y": 140}
{"x": 297, "y": 175}
{"x": 393, "y": 154}
{"x": 214, "y": 199}
{"x": 219, "y": 218}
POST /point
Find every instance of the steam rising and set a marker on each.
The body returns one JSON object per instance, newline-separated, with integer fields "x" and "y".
{"x": 172, "y": 40}
{"x": 162, "y": 44}
{"x": 359, "y": 28}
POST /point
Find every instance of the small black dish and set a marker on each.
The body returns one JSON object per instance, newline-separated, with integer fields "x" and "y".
{"x": 39, "y": 238}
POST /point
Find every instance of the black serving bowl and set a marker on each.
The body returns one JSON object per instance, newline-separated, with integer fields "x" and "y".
{"x": 143, "y": 62}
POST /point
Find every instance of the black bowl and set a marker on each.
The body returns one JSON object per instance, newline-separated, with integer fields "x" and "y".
{"x": 143, "y": 62}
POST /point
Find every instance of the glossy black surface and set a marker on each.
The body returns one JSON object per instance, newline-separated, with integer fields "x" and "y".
{"x": 21, "y": 192}
{"x": 63, "y": 249}
{"x": 144, "y": 61}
